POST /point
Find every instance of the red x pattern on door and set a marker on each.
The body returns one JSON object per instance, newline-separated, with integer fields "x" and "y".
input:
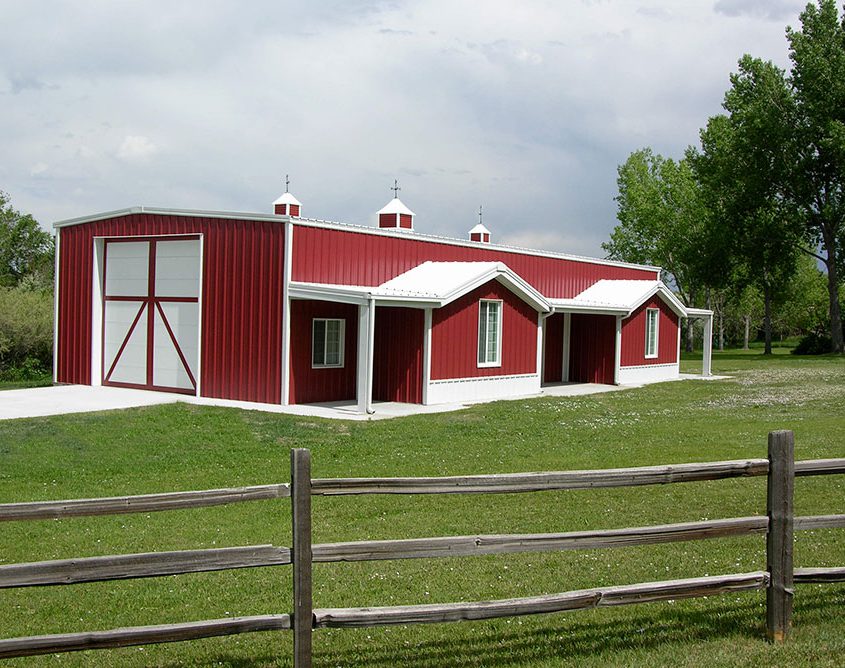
{"x": 150, "y": 313}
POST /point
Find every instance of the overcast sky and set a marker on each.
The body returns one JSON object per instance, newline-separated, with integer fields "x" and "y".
{"x": 526, "y": 108}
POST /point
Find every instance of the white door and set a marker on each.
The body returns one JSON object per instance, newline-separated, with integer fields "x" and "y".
{"x": 151, "y": 313}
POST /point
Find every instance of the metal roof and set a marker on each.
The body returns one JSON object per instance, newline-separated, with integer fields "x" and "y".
{"x": 429, "y": 284}
{"x": 396, "y": 206}
{"x": 619, "y": 296}
{"x": 348, "y": 227}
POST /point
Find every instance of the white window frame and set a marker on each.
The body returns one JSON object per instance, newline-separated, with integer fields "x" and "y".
{"x": 648, "y": 339}
{"x": 482, "y": 320}
{"x": 342, "y": 338}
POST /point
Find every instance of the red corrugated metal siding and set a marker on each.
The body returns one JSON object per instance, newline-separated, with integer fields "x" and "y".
{"x": 398, "y": 354}
{"x": 454, "y": 336}
{"x": 309, "y": 385}
{"x": 592, "y": 347}
{"x": 241, "y": 300}
{"x": 553, "y": 350}
{"x": 633, "y": 335}
{"x": 325, "y": 255}
{"x": 73, "y": 363}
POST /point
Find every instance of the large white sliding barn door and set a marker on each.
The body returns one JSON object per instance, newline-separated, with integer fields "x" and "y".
{"x": 151, "y": 313}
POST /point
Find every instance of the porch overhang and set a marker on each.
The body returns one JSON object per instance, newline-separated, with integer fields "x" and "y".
{"x": 618, "y": 298}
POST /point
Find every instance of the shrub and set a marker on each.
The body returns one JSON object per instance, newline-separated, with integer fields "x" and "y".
{"x": 26, "y": 330}
{"x": 813, "y": 343}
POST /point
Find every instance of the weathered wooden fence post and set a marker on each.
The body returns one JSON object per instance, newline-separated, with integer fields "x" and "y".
{"x": 779, "y": 538}
{"x": 303, "y": 605}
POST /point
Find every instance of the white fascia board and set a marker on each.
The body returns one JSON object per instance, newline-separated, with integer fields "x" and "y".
{"x": 595, "y": 309}
{"x": 510, "y": 280}
{"x": 668, "y": 296}
{"x": 699, "y": 313}
{"x": 328, "y": 293}
{"x": 189, "y": 213}
{"x": 406, "y": 302}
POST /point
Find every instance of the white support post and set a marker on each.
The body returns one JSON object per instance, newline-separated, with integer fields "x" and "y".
{"x": 707, "y": 352}
{"x": 366, "y": 334}
{"x": 426, "y": 355}
{"x": 541, "y": 345}
{"x": 286, "y": 302}
{"x": 617, "y": 358}
{"x": 567, "y": 325}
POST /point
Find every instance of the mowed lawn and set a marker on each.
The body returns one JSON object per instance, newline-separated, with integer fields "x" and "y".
{"x": 181, "y": 447}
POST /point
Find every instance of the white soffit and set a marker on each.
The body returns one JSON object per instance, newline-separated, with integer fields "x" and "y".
{"x": 619, "y": 296}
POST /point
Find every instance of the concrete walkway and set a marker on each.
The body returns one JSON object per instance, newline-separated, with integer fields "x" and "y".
{"x": 62, "y": 399}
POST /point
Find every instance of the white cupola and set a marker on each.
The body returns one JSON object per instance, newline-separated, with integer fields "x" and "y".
{"x": 480, "y": 233}
{"x": 395, "y": 215}
{"x": 287, "y": 204}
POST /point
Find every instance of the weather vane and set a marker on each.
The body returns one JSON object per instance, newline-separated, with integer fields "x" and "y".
{"x": 287, "y": 182}
{"x": 479, "y": 214}
{"x": 396, "y": 188}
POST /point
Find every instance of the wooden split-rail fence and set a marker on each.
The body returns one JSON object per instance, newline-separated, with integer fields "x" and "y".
{"x": 778, "y": 526}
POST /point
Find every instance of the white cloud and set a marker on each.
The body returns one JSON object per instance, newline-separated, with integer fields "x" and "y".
{"x": 38, "y": 168}
{"x": 526, "y": 108}
{"x": 136, "y": 148}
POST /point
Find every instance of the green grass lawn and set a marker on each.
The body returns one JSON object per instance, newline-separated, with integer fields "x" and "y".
{"x": 180, "y": 447}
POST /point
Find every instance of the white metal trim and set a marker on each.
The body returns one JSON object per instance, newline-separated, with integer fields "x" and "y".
{"x": 286, "y": 306}
{"x": 499, "y": 335}
{"x": 656, "y": 353}
{"x": 200, "y": 298}
{"x": 426, "y": 354}
{"x": 56, "y": 265}
{"x": 342, "y": 336}
{"x": 98, "y": 305}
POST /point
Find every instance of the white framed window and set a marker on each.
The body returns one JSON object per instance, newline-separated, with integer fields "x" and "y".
{"x": 490, "y": 332}
{"x": 327, "y": 342}
{"x": 652, "y": 321}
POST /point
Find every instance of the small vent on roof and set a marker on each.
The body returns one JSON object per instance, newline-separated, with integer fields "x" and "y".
{"x": 287, "y": 204}
{"x": 479, "y": 232}
{"x": 395, "y": 215}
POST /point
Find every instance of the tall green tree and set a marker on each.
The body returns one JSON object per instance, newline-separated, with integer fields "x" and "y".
{"x": 817, "y": 185}
{"x": 26, "y": 251}
{"x": 744, "y": 162}
{"x": 664, "y": 221}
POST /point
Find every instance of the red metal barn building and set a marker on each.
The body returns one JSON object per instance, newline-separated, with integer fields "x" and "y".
{"x": 277, "y": 308}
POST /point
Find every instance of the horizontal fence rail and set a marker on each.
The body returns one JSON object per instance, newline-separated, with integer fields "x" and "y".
{"x": 145, "y": 565}
{"x": 140, "y": 635}
{"x": 820, "y": 575}
{"x": 820, "y": 466}
{"x": 819, "y": 522}
{"x": 646, "y": 592}
{"x": 462, "y": 546}
{"x": 537, "y": 482}
{"x": 142, "y": 503}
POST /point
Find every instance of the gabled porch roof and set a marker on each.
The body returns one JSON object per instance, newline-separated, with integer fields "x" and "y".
{"x": 430, "y": 284}
{"x": 619, "y": 297}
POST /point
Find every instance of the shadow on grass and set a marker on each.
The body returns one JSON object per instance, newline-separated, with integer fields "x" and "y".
{"x": 525, "y": 647}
